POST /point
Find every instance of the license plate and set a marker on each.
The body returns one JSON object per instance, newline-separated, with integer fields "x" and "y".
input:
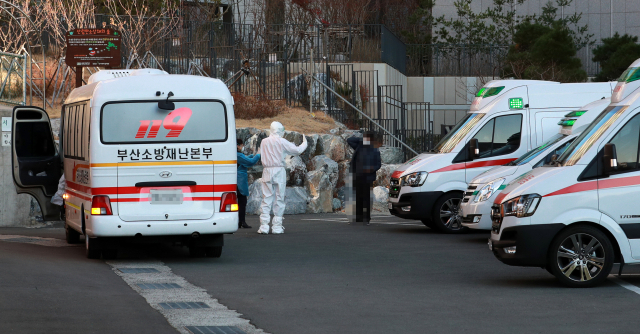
{"x": 173, "y": 196}
{"x": 390, "y": 206}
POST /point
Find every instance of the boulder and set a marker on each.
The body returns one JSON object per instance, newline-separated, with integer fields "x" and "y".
{"x": 253, "y": 143}
{"x": 391, "y": 155}
{"x": 296, "y": 171}
{"x": 295, "y": 199}
{"x": 380, "y": 199}
{"x": 383, "y": 175}
{"x": 310, "y": 152}
{"x": 334, "y": 147}
{"x": 337, "y": 204}
{"x": 319, "y": 186}
{"x": 294, "y": 137}
{"x": 343, "y": 173}
{"x": 255, "y": 172}
{"x": 245, "y": 133}
{"x": 326, "y": 165}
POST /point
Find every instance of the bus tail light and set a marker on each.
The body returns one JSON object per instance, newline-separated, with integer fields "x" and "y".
{"x": 229, "y": 202}
{"x": 101, "y": 205}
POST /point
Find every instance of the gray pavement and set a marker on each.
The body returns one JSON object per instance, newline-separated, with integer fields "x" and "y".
{"x": 321, "y": 276}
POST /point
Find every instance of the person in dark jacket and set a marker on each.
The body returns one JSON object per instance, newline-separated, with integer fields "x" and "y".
{"x": 244, "y": 162}
{"x": 365, "y": 163}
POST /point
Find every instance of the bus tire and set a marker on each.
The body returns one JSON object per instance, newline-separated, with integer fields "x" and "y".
{"x": 110, "y": 254}
{"x": 195, "y": 251}
{"x": 72, "y": 236}
{"x": 215, "y": 251}
{"x": 92, "y": 252}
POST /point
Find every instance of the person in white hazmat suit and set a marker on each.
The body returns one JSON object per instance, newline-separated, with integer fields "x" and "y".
{"x": 274, "y": 176}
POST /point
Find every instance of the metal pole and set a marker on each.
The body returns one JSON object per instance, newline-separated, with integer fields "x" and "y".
{"x": 24, "y": 83}
{"x": 313, "y": 73}
{"x": 363, "y": 114}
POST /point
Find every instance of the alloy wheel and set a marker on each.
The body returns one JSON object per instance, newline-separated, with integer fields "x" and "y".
{"x": 450, "y": 214}
{"x": 580, "y": 257}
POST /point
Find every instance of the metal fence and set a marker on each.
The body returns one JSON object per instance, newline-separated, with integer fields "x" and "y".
{"x": 13, "y": 78}
{"x": 455, "y": 60}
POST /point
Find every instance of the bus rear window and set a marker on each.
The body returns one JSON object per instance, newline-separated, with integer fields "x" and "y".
{"x": 144, "y": 122}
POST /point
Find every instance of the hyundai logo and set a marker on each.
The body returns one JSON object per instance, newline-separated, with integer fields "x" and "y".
{"x": 165, "y": 174}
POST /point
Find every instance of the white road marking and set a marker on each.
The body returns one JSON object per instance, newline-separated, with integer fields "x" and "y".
{"x": 49, "y": 242}
{"x": 216, "y": 315}
{"x": 625, "y": 284}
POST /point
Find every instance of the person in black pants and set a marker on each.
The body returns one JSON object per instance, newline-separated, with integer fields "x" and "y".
{"x": 244, "y": 162}
{"x": 365, "y": 163}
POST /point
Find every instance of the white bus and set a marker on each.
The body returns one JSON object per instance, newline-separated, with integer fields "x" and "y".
{"x": 147, "y": 156}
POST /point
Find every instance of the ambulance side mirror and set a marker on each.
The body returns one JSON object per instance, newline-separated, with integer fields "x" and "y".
{"x": 474, "y": 149}
{"x": 610, "y": 161}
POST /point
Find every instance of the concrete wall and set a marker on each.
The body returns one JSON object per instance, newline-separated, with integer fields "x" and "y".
{"x": 14, "y": 209}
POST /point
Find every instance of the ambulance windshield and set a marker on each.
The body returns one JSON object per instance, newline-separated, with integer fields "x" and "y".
{"x": 537, "y": 151}
{"x": 596, "y": 129}
{"x": 143, "y": 122}
{"x": 630, "y": 74}
{"x": 451, "y": 140}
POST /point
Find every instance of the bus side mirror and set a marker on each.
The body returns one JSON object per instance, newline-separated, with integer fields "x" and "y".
{"x": 610, "y": 161}
{"x": 474, "y": 150}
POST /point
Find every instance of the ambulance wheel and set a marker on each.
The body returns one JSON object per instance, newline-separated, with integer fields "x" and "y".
{"x": 214, "y": 251}
{"x": 73, "y": 237}
{"x": 195, "y": 251}
{"x": 446, "y": 213}
{"x": 92, "y": 252}
{"x": 581, "y": 257}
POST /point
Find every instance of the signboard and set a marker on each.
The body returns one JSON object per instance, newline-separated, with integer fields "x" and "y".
{"x": 93, "y": 47}
{"x": 6, "y": 123}
{"x": 6, "y": 139}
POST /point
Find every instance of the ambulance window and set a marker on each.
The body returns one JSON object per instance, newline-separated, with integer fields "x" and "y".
{"x": 143, "y": 122}
{"x": 74, "y": 134}
{"x": 558, "y": 151}
{"x": 500, "y": 136}
{"x": 626, "y": 141}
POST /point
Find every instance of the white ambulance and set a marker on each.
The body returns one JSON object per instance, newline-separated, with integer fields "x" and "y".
{"x": 579, "y": 215}
{"x": 147, "y": 156}
{"x": 477, "y": 201}
{"x": 506, "y": 119}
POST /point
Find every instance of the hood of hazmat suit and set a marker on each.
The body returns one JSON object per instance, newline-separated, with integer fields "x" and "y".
{"x": 277, "y": 129}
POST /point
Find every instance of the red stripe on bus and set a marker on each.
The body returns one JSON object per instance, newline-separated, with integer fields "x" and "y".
{"x": 136, "y": 190}
{"x": 146, "y": 199}
{"x": 79, "y": 187}
{"x": 499, "y": 198}
{"x": 397, "y": 174}
{"x": 600, "y": 184}
{"x": 79, "y": 196}
{"x": 475, "y": 164}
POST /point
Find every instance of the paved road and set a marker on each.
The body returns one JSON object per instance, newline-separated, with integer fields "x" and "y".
{"x": 321, "y": 276}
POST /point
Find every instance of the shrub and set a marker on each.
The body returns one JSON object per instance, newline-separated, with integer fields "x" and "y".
{"x": 251, "y": 107}
{"x": 615, "y": 55}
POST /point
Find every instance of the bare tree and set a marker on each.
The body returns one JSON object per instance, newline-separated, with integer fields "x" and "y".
{"x": 64, "y": 15}
{"x": 13, "y": 24}
{"x": 140, "y": 23}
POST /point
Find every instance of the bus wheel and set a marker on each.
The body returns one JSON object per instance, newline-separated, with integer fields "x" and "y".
{"x": 581, "y": 257}
{"x": 73, "y": 237}
{"x": 446, "y": 214}
{"x": 215, "y": 251}
{"x": 92, "y": 252}
{"x": 110, "y": 254}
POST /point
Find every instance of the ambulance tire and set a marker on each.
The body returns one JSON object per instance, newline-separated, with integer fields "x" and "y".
{"x": 110, "y": 254}
{"x": 215, "y": 251}
{"x": 195, "y": 251}
{"x": 584, "y": 235}
{"x": 429, "y": 223}
{"x": 449, "y": 206}
{"x": 92, "y": 252}
{"x": 72, "y": 236}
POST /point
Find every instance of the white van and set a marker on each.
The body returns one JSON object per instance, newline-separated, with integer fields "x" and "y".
{"x": 147, "y": 156}
{"x": 579, "y": 215}
{"x": 506, "y": 119}
{"x": 477, "y": 201}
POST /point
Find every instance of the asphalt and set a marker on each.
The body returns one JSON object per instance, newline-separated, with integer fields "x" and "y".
{"x": 321, "y": 276}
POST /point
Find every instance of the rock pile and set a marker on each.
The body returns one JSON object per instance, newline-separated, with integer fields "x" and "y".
{"x": 316, "y": 180}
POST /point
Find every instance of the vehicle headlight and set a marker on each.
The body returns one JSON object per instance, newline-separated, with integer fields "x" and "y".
{"x": 521, "y": 206}
{"x": 414, "y": 179}
{"x": 488, "y": 190}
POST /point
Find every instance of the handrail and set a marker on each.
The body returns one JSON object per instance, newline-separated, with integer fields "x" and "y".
{"x": 362, "y": 113}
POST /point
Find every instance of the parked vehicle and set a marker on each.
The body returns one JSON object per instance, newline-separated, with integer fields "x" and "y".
{"x": 477, "y": 201}
{"x": 147, "y": 156}
{"x": 506, "y": 119}
{"x": 579, "y": 215}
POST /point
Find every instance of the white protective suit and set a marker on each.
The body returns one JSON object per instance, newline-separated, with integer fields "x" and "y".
{"x": 273, "y": 150}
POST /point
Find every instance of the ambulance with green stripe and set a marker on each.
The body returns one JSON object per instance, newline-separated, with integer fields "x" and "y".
{"x": 507, "y": 119}
{"x": 579, "y": 215}
{"x": 477, "y": 201}
{"x": 147, "y": 157}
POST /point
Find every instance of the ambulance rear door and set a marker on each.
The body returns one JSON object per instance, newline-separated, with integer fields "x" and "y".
{"x": 165, "y": 157}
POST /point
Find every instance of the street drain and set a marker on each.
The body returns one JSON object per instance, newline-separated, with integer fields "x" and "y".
{"x": 147, "y": 286}
{"x": 215, "y": 330}
{"x": 183, "y": 305}
{"x": 138, "y": 270}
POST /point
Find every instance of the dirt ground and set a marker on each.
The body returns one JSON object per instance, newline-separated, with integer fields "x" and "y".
{"x": 293, "y": 119}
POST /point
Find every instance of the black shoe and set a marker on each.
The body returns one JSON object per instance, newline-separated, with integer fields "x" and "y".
{"x": 367, "y": 223}
{"x": 244, "y": 225}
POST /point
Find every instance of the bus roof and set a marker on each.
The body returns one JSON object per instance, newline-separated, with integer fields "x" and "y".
{"x": 138, "y": 85}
